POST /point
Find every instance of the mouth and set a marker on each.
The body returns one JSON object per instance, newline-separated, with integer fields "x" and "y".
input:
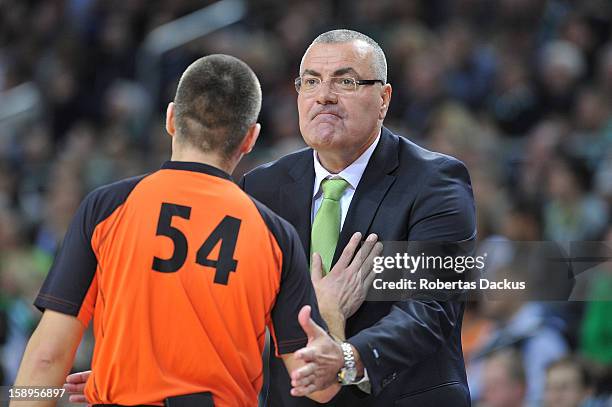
{"x": 327, "y": 115}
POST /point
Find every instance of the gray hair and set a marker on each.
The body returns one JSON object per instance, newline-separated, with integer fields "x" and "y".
{"x": 379, "y": 64}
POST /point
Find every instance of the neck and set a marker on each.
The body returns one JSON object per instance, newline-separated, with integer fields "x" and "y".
{"x": 211, "y": 159}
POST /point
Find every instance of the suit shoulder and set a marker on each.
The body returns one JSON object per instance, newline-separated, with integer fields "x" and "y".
{"x": 429, "y": 158}
{"x": 277, "y": 169}
{"x": 284, "y": 163}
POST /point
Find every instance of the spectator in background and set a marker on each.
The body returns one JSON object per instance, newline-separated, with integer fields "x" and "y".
{"x": 568, "y": 384}
{"x": 513, "y": 104}
{"x": 592, "y": 137}
{"x": 523, "y": 326}
{"x": 522, "y": 222}
{"x": 532, "y": 165}
{"x": 470, "y": 67}
{"x": 504, "y": 383}
{"x": 572, "y": 213}
{"x": 425, "y": 91}
{"x": 21, "y": 270}
{"x": 60, "y": 201}
{"x": 561, "y": 67}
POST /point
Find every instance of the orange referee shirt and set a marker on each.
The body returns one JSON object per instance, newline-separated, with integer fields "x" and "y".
{"x": 182, "y": 272}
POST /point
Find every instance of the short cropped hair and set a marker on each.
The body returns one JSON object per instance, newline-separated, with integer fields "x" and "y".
{"x": 379, "y": 63}
{"x": 217, "y": 99}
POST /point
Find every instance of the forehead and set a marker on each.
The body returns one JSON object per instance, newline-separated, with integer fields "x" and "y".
{"x": 325, "y": 59}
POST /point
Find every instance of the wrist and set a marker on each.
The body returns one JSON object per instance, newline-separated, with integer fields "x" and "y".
{"x": 335, "y": 323}
{"x": 352, "y": 370}
{"x": 348, "y": 372}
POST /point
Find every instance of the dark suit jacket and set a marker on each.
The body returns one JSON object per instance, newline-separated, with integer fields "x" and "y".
{"x": 412, "y": 349}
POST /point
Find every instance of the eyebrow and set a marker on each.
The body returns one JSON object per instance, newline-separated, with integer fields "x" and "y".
{"x": 338, "y": 72}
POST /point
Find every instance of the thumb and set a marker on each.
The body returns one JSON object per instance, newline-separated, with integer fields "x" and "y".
{"x": 311, "y": 329}
{"x": 316, "y": 268}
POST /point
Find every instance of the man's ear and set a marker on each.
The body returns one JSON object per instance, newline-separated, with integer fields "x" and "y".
{"x": 386, "y": 92}
{"x": 251, "y": 137}
{"x": 170, "y": 125}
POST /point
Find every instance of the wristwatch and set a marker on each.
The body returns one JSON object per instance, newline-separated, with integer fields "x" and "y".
{"x": 348, "y": 373}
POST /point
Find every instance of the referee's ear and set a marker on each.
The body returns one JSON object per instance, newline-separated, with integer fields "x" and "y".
{"x": 170, "y": 127}
{"x": 250, "y": 138}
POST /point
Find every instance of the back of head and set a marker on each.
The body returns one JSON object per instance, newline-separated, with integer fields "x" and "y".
{"x": 218, "y": 98}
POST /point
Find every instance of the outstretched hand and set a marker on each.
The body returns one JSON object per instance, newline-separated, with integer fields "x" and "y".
{"x": 322, "y": 356}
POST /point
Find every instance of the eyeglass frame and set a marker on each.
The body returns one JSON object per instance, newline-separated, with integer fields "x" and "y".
{"x": 358, "y": 82}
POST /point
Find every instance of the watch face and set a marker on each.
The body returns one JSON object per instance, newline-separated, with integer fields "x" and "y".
{"x": 350, "y": 375}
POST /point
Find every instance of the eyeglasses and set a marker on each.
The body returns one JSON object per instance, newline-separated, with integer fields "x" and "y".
{"x": 339, "y": 85}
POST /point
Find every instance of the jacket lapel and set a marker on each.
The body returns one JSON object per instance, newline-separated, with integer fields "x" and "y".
{"x": 372, "y": 188}
{"x": 296, "y": 197}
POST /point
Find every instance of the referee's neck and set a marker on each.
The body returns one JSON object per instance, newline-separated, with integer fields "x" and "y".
{"x": 211, "y": 159}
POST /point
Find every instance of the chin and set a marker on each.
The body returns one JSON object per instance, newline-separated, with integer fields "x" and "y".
{"x": 322, "y": 139}
{"x": 324, "y": 143}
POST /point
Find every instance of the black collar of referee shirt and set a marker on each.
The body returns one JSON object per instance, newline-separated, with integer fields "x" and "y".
{"x": 196, "y": 167}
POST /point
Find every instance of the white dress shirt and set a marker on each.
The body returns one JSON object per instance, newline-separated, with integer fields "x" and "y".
{"x": 351, "y": 174}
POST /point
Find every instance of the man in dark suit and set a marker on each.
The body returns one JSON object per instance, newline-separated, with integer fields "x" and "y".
{"x": 407, "y": 353}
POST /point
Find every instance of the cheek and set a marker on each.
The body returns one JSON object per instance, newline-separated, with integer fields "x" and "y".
{"x": 363, "y": 114}
{"x": 303, "y": 109}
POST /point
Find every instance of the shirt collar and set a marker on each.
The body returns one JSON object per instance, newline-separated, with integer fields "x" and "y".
{"x": 352, "y": 174}
{"x": 195, "y": 167}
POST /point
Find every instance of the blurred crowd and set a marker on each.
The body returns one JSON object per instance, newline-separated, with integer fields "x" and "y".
{"x": 520, "y": 90}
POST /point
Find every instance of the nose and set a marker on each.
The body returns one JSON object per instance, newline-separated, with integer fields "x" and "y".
{"x": 324, "y": 94}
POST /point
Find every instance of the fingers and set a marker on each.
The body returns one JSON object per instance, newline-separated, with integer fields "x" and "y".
{"x": 367, "y": 267}
{"x": 304, "y": 391}
{"x": 304, "y": 380}
{"x": 347, "y": 253}
{"x": 306, "y": 354}
{"x": 79, "y": 377}
{"x": 304, "y": 320}
{"x": 301, "y": 376}
{"x": 72, "y": 388}
{"x": 364, "y": 251}
{"x": 75, "y": 398}
{"x": 75, "y": 386}
{"x": 316, "y": 269}
{"x": 311, "y": 329}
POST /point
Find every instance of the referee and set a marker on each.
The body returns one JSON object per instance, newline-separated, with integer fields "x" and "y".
{"x": 180, "y": 270}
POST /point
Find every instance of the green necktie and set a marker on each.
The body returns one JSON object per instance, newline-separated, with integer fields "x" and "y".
{"x": 326, "y": 225}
